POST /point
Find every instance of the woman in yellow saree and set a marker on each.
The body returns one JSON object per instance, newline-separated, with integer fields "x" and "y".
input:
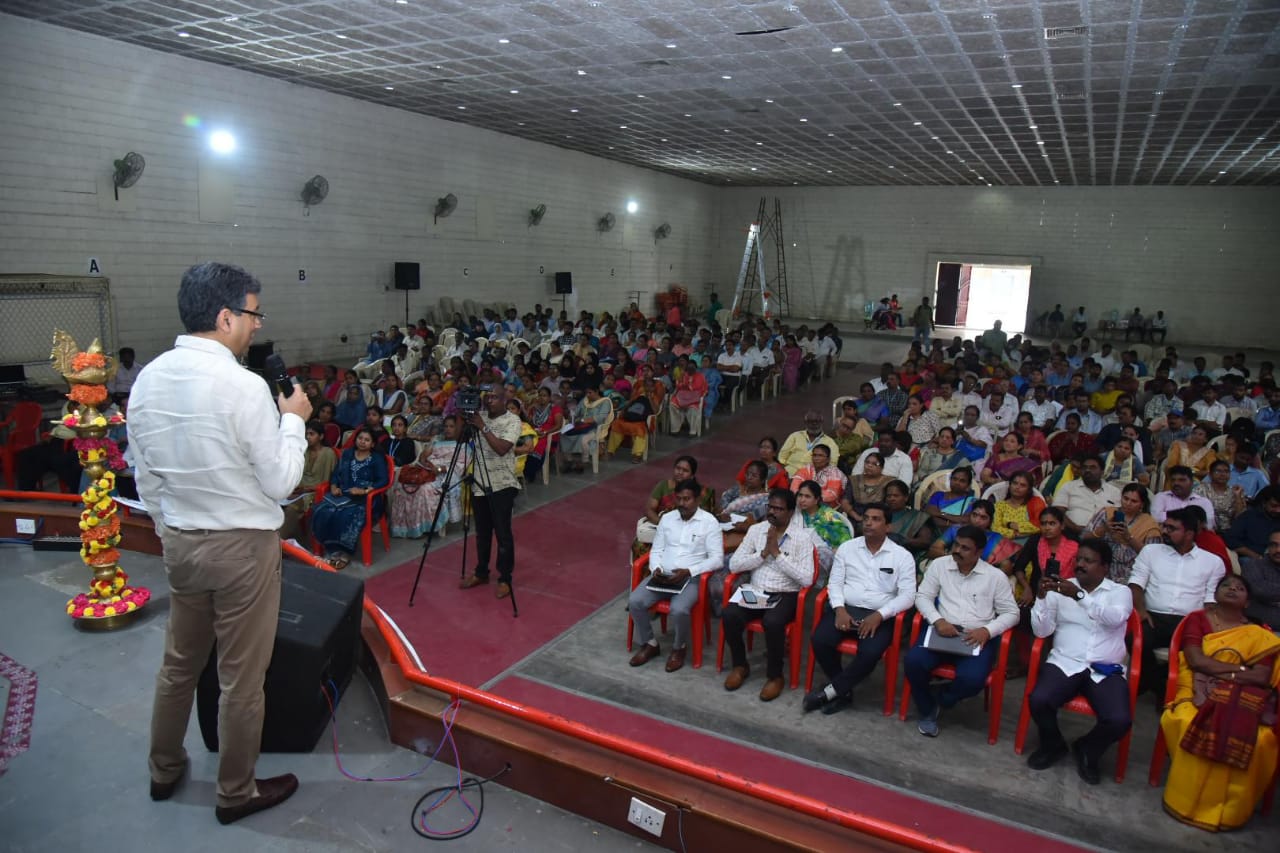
{"x": 1219, "y": 726}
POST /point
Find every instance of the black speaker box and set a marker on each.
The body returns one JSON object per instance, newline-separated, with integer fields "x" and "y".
{"x": 317, "y": 641}
{"x": 256, "y": 358}
{"x": 564, "y": 282}
{"x": 407, "y": 276}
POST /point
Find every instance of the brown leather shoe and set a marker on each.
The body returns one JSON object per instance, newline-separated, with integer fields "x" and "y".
{"x": 646, "y": 653}
{"x": 473, "y": 581}
{"x": 271, "y": 792}
{"x": 736, "y": 677}
{"x": 502, "y": 590}
{"x": 677, "y": 658}
{"x": 165, "y": 790}
{"x": 772, "y": 690}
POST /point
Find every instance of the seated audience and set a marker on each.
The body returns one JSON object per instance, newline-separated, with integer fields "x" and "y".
{"x": 686, "y": 402}
{"x": 830, "y": 478}
{"x": 950, "y": 507}
{"x": 688, "y": 543}
{"x": 399, "y": 446}
{"x": 1123, "y": 466}
{"x": 872, "y": 581}
{"x": 897, "y": 464}
{"x": 1048, "y": 552}
{"x": 1083, "y": 498}
{"x": 1244, "y": 475}
{"x": 1087, "y": 617}
{"x": 849, "y": 443}
{"x": 337, "y": 520}
{"x": 941, "y": 454}
{"x": 1180, "y": 494}
{"x": 973, "y": 440}
{"x": 1193, "y": 452}
{"x": 777, "y": 474}
{"x": 415, "y": 496}
{"x": 318, "y": 462}
{"x": 1227, "y": 500}
{"x": 996, "y": 551}
{"x": 749, "y": 499}
{"x": 578, "y": 443}
{"x": 663, "y": 499}
{"x": 1252, "y": 529}
{"x": 961, "y": 595}
{"x": 911, "y": 528}
{"x": 351, "y": 411}
{"x": 1010, "y": 458}
{"x": 633, "y": 420}
{"x": 1127, "y": 529}
{"x": 1170, "y": 580}
{"x": 778, "y": 553}
{"x": 870, "y": 407}
{"x": 1221, "y": 745}
{"x": 1070, "y": 441}
{"x": 921, "y": 423}
{"x": 797, "y": 450}
{"x": 1018, "y": 512}
{"x": 830, "y": 525}
{"x": 1263, "y": 577}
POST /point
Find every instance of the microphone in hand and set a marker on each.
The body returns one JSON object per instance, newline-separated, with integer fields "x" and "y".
{"x": 273, "y": 368}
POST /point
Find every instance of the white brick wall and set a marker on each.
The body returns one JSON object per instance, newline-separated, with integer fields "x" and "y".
{"x": 74, "y": 102}
{"x": 1207, "y": 256}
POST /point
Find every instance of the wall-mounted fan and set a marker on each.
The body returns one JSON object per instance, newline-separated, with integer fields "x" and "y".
{"x": 606, "y": 222}
{"x": 662, "y": 232}
{"x": 536, "y": 214}
{"x": 127, "y": 171}
{"x": 314, "y": 191}
{"x": 445, "y": 206}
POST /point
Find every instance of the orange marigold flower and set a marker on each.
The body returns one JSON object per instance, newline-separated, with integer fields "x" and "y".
{"x": 88, "y": 395}
{"x": 83, "y": 360}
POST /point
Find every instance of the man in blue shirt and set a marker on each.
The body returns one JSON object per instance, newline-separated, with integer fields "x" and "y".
{"x": 1244, "y": 475}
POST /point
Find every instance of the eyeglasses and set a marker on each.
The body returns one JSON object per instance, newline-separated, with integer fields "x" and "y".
{"x": 261, "y": 318}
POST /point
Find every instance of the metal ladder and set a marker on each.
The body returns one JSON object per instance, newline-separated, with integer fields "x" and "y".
{"x": 752, "y": 277}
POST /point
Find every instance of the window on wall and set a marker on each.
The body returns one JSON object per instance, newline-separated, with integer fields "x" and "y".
{"x": 974, "y": 296}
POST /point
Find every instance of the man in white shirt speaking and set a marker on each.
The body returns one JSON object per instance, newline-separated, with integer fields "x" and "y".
{"x": 213, "y": 457}
{"x": 1087, "y": 617}
{"x": 687, "y": 544}
{"x": 872, "y": 580}
{"x": 961, "y": 596}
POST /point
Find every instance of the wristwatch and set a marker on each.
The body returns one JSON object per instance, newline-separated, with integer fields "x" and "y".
{"x": 1078, "y": 595}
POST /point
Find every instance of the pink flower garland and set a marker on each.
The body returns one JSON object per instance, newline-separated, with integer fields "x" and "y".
{"x": 115, "y": 459}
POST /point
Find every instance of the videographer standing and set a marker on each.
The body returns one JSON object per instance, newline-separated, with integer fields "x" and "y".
{"x": 494, "y": 488}
{"x": 212, "y": 459}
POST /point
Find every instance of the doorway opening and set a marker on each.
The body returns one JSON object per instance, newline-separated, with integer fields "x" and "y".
{"x": 974, "y": 296}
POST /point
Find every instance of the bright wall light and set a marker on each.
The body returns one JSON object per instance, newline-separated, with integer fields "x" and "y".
{"x": 632, "y": 207}
{"x": 222, "y": 142}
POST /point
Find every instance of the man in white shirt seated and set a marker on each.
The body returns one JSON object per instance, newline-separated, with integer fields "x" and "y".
{"x": 1208, "y": 411}
{"x": 1181, "y": 481}
{"x": 1087, "y": 617}
{"x": 960, "y": 596}
{"x": 897, "y": 464}
{"x": 872, "y": 580}
{"x": 127, "y": 371}
{"x": 778, "y": 552}
{"x": 1169, "y": 581}
{"x": 1043, "y": 410}
{"x": 999, "y": 412}
{"x": 732, "y": 367}
{"x": 687, "y": 544}
{"x": 1082, "y": 499}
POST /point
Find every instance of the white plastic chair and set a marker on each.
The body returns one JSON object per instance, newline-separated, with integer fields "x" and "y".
{"x": 836, "y": 406}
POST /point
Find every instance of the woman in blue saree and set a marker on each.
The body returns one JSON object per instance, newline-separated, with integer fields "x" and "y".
{"x": 338, "y": 519}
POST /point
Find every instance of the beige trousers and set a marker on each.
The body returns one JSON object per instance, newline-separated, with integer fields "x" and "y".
{"x": 224, "y": 585}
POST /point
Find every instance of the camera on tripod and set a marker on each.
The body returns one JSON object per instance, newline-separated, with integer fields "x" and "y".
{"x": 471, "y": 398}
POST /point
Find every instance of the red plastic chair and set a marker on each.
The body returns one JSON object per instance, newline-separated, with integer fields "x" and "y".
{"x": 366, "y": 534}
{"x": 1079, "y": 704}
{"x": 993, "y": 694}
{"x": 700, "y": 619}
{"x": 795, "y": 630}
{"x": 849, "y": 646}
{"x": 21, "y": 430}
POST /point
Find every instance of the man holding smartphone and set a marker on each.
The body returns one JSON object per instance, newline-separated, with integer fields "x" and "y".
{"x": 688, "y": 543}
{"x": 1087, "y": 617}
{"x": 872, "y": 580}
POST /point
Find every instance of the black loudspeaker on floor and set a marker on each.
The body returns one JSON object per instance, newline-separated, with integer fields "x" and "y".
{"x": 317, "y": 641}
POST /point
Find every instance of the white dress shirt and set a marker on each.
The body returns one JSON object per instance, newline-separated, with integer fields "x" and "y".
{"x": 884, "y": 580}
{"x": 789, "y": 571}
{"x": 1206, "y": 412}
{"x": 898, "y": 466}
{"x": 1082, "y": 503}
{"x": 1087, "y": 631}
{"x": 696, "y": 544}
{"x": 980, "y": 599}
{"x": 1001, "y": 420}
{"x": 210, "y": 449}
{"x": 1042, "y": 414}
{"x": 1176, "y": 584}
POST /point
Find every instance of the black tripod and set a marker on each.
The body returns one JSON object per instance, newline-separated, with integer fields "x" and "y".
{"x": 468, "y": 440}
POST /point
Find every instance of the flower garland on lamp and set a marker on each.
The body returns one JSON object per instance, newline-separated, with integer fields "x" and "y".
{"x": 111, "y": 601}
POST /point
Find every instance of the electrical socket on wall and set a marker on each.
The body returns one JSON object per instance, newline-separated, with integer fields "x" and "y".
{"x": 26, "y": 525}
{"x": 645, "y": 816}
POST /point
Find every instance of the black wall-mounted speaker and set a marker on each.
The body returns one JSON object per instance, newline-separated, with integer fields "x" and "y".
{"x": 564, "y": 282}
{"x": 407, "y": 276}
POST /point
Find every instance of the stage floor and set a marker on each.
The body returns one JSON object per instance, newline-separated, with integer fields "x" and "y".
{"x": 566, "y": 654}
